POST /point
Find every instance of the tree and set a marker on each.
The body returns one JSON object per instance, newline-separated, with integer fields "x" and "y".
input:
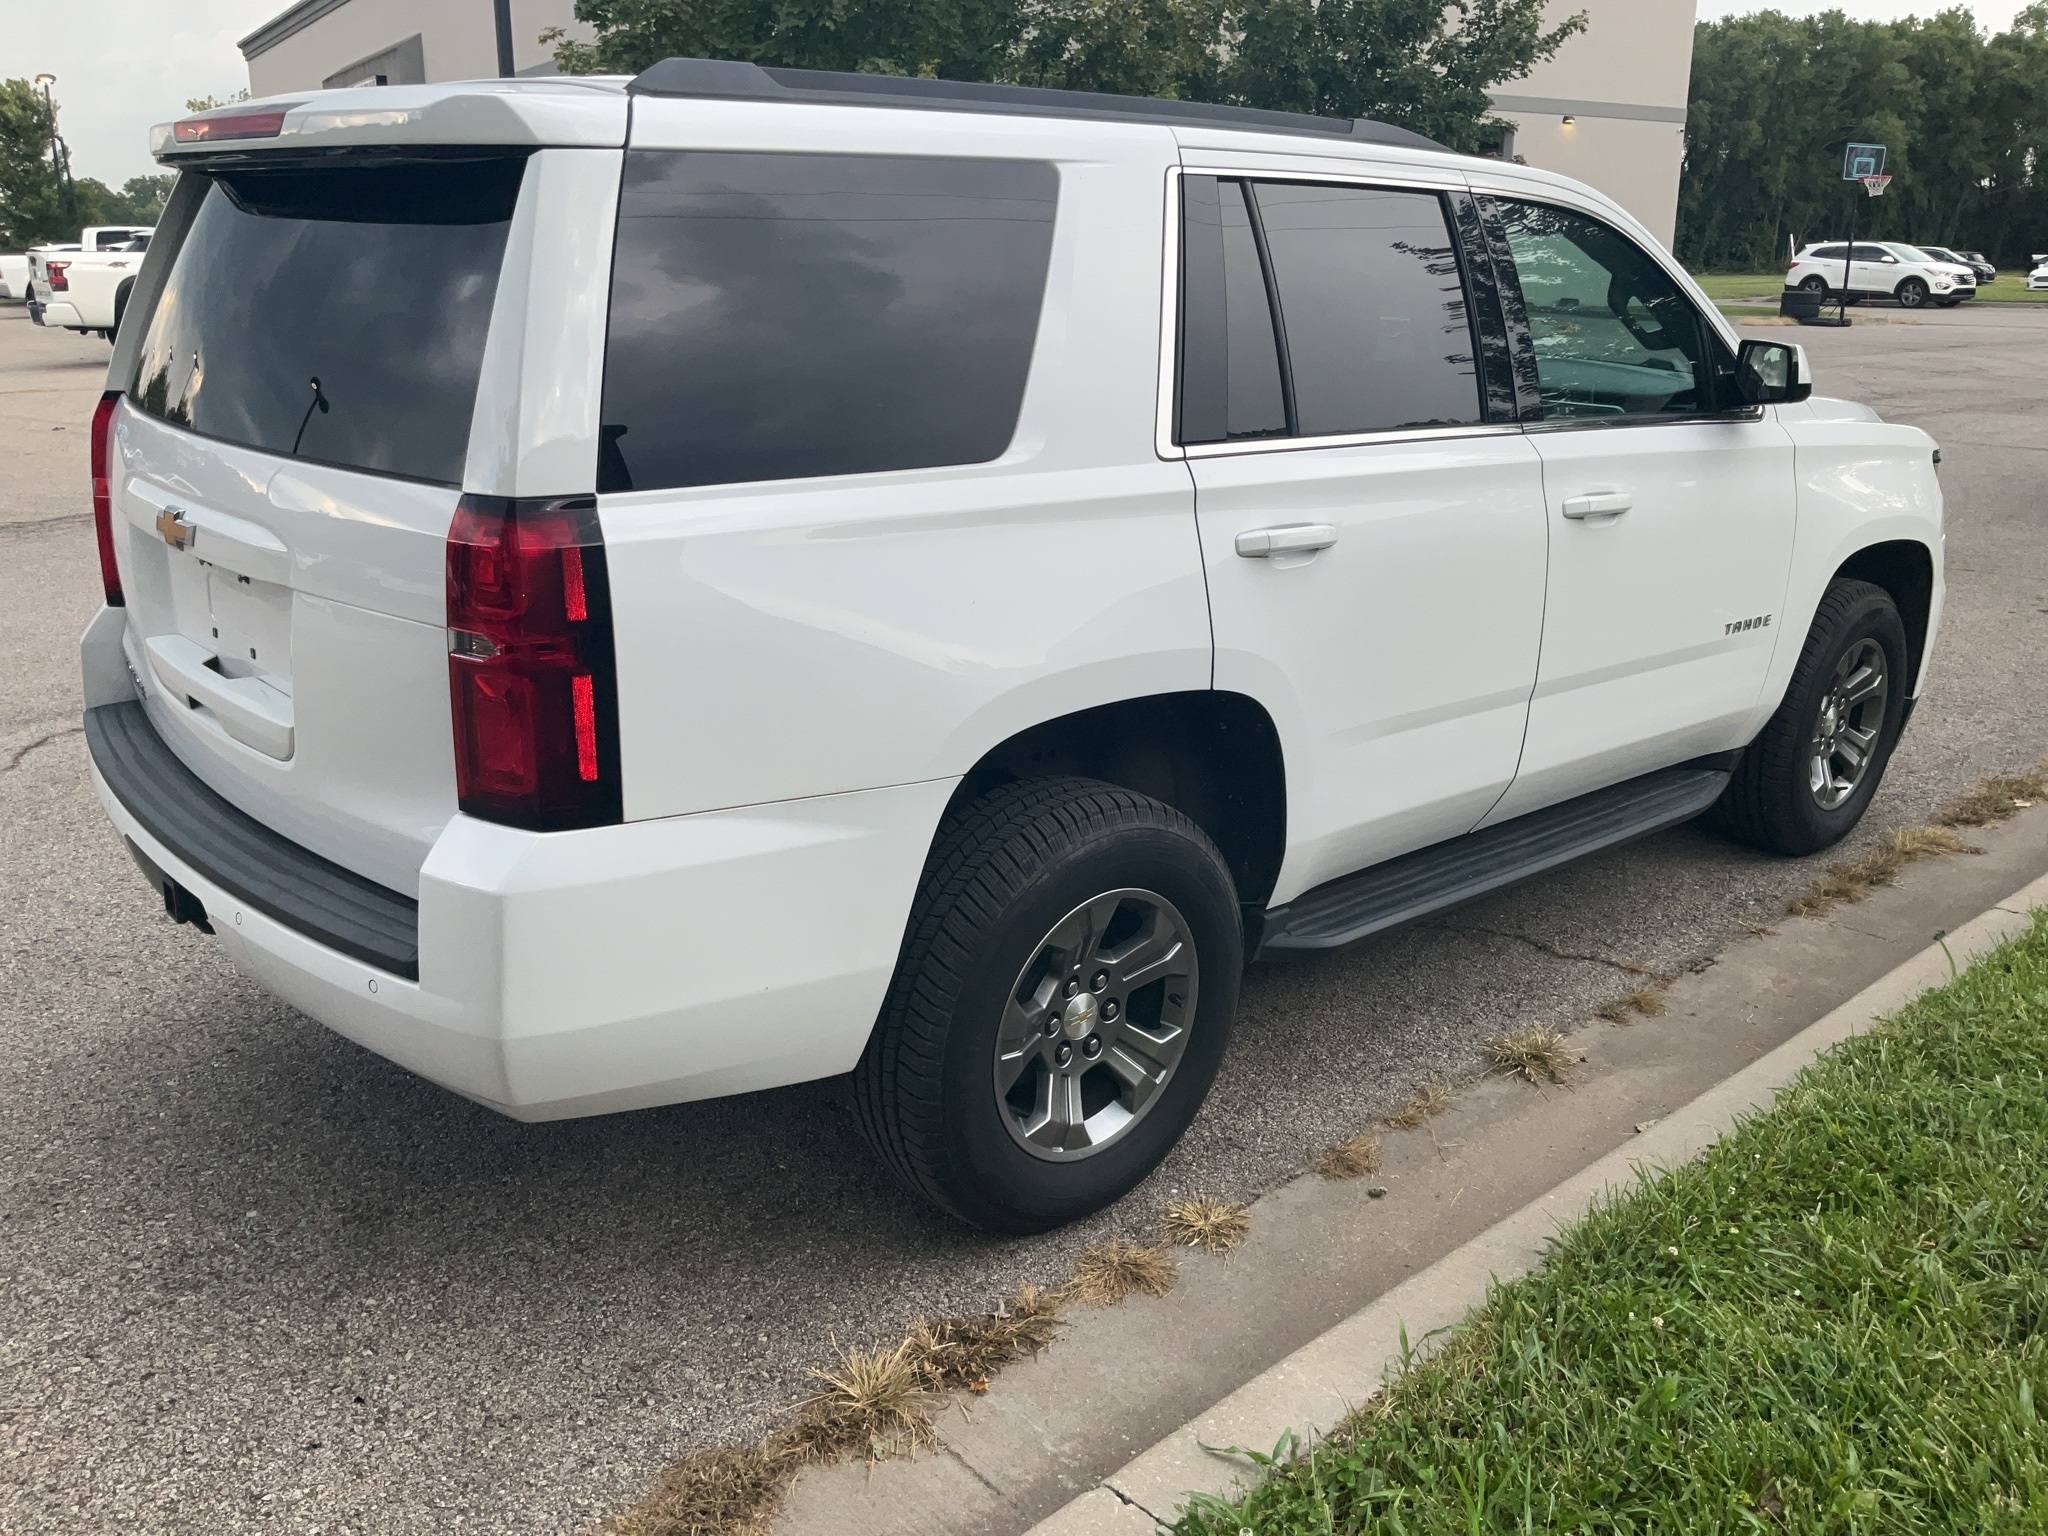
{"x": 1417, "y": 63}
{"x": 31, "y": 195}
{"x": 1775, "y": 100}
{"x": 1425, "y": 64}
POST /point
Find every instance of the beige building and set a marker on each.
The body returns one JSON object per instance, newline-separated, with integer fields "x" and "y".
{"x": 323, "y": 43}
{"x": 1609, "y": 109}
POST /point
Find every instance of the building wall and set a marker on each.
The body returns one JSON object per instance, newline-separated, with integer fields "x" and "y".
{"x": 458, "y": 39}
{"x": 1624, "y": 82}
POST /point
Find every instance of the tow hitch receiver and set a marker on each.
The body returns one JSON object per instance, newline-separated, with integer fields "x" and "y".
{"x": 180, "y": 905}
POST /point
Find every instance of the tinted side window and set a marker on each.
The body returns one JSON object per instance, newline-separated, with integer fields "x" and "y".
{"x": 778, "y": 316}
{"x": 375, "y": 281}
{"x": 1829, "y": 253}
{"x": 1376, "y": 330}
{"x": 1613, "y": 334}
{"x": 1871, "y": 253}
{"x": 1229, "y": 361}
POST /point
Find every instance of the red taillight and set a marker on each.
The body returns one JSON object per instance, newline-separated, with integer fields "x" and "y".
{"x": 102, "y": 492}
{"x": 267, "y": 124}
{"x": 54, "y": 271}
{"x": 530, "y": 671}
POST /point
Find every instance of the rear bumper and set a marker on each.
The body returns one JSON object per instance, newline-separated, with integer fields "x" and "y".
{"x": 569, "y": 973}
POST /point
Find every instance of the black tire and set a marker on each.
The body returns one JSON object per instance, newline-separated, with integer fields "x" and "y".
{"x": 1003, "y": 872}
{"x": 1770, "y": 802}
{"x": 1911, "y": 293}
{"x": 1815, "y": 284}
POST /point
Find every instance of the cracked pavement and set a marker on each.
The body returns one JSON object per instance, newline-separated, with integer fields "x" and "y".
{"x": 257, "y": 1280}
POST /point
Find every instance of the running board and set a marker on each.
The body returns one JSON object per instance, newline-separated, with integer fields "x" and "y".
{"x": 1432, "y": 879}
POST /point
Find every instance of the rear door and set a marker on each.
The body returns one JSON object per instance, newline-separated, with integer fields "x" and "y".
{"x": 1371, "y": 519}
{"x": 1671, "y": 515}
{"x": 290, "y": 451}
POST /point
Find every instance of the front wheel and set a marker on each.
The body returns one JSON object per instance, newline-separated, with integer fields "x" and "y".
{"x": 1911, "y": 294}
{"x": 1060, "y": 1006}
{"x": 1805, "y": 781}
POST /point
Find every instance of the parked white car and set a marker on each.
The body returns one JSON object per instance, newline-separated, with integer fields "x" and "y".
{"x": 86, "y": 290}
{"x": 677, "y": 588}
{"x": 1883, "y": 270}
{"x": 2038, "y": 277}
{"x": 13, "y": 276}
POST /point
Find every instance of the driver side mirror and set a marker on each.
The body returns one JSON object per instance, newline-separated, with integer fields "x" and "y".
{"x": 1772, "y": 373}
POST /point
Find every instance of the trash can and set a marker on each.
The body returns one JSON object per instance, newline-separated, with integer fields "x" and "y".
{"x": 1801, "y": 304}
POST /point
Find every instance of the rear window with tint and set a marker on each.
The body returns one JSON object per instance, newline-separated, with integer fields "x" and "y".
{"x": 1346, "y": 304}
{"x": 335, "y": 314}
{"x": 778, "y": 316}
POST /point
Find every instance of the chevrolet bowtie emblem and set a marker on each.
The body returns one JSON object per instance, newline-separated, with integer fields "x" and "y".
{"x": 176, "y": 528}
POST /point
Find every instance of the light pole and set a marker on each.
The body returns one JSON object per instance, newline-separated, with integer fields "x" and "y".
{"x": 67, "y": 199}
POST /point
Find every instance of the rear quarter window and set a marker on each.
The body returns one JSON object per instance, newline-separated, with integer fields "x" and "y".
{"x": 777, "y": 316}
{"x": 335, "y": 314}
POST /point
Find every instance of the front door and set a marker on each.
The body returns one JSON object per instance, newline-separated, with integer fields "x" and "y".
{"x": 1374, "y": 543}
{"x": 1671, "y": 517}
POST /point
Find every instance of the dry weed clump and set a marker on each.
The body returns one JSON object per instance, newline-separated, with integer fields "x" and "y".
{"x": 731, "y": 1491}
{"x": 874, "y": 1403}
{"x": 1997, "y": 798}
{"x": 1852, "y": 881}
{"x": 1537, "y": 1055}
{"x": 1646, "y": 1001}
{"x": 1352, "y": 1159}
{"x": 1216, "y": 1226}
{"x": 1424, "y": 1107}
{"x": 963, "y": 1352}
{"x": 1110, "y": 1271}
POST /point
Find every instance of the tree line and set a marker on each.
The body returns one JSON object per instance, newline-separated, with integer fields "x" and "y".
{"x": 1423, "y": 64}
{"x": 39, "y": 199}
{"x": 1775, "y": 99}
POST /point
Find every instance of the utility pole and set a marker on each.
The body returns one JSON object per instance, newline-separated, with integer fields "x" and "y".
{"x": 502, "y": 10}
{"x": 60, "y": 162}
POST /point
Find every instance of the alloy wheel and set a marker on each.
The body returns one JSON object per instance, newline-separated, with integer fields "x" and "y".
{"x": 1095, "y": 1024}
{"x": 1851, "y": 719}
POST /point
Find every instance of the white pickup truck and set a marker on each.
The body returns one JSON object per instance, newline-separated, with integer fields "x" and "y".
{"x": 84, "y": 287}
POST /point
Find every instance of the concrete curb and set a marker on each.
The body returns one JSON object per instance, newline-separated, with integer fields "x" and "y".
{"x": 1320, "y": 1383}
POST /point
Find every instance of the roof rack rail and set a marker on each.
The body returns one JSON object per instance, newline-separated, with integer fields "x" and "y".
{"x": 737, "y": 80}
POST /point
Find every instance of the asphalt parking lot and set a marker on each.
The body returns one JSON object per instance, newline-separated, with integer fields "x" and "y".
{"x": 256, "y": 1279}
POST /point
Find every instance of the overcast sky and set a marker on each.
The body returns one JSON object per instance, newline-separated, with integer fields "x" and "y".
{"x": 124, "y": 64}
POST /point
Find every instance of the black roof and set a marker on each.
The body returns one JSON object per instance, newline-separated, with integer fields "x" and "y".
{"x": 735, "y": 80}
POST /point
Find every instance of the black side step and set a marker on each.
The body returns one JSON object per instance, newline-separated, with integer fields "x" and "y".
{"x": 328, "y": 904}
{"x": 1431, "y": 879}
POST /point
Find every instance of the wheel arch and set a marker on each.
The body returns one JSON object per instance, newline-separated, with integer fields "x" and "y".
{"x": 1905, "y": 569}
{"x": 1213, "y": 756}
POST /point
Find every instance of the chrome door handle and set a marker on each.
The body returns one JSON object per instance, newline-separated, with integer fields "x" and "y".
{"x": 1258, "y": 543}
{"x": 1603, "y": 504}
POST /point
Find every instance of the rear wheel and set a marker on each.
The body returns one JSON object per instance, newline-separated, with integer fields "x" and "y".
{"x": 1815, "y": 284}
{"x": 1060, "y": 1006}
{"x": 1805, "y": 781}
{"x": 1911, "y": 294}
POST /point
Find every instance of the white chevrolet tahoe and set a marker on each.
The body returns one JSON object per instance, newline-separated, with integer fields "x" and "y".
{"x": 621, "y": 592}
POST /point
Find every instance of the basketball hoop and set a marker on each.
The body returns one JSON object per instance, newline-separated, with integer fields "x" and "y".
{"x": 1875, "y": 185}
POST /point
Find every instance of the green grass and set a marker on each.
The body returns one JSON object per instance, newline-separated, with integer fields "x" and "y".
{"x": 1835, "y": 1320}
